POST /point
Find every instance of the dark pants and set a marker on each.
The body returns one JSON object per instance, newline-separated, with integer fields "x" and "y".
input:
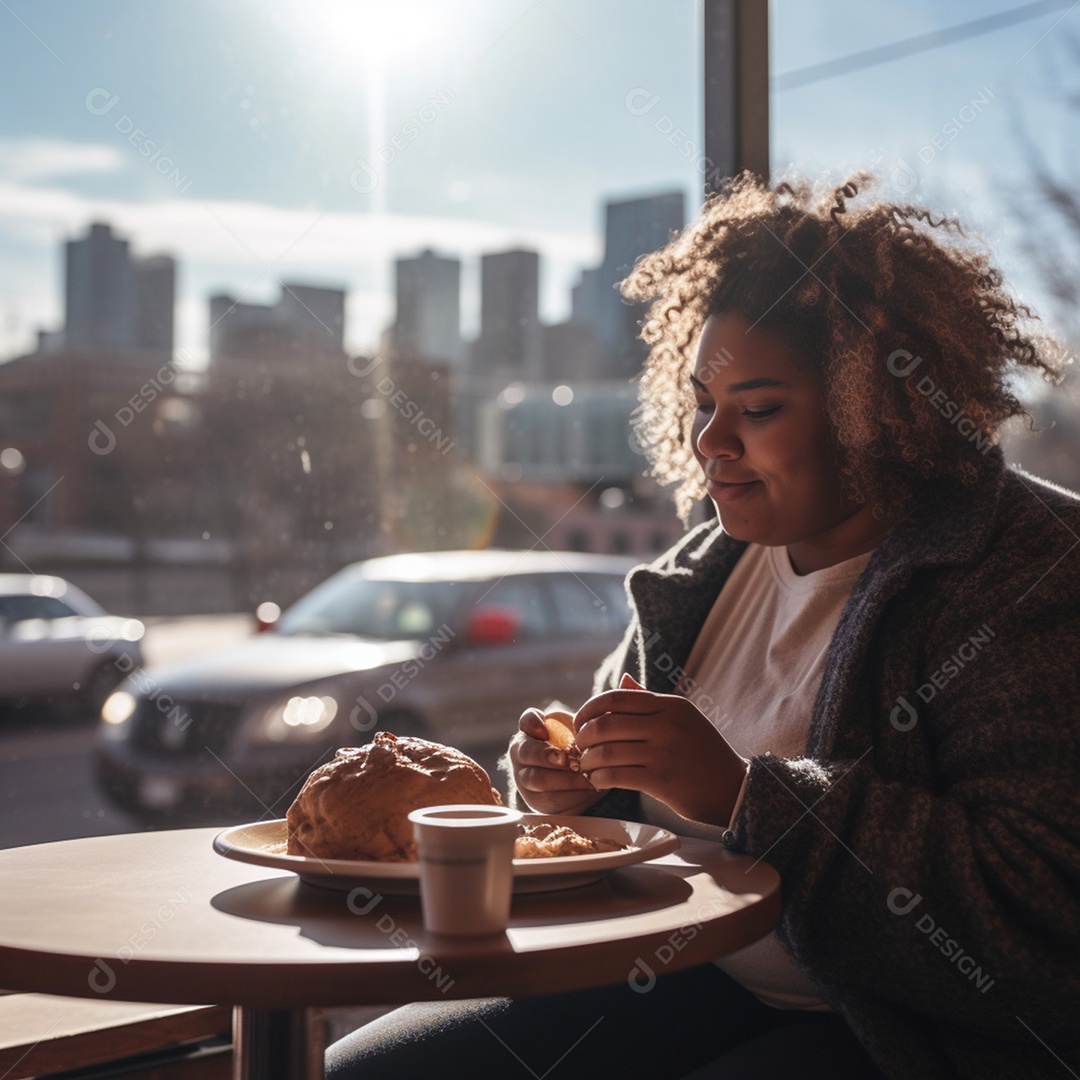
{"x": 698, "y": 1022}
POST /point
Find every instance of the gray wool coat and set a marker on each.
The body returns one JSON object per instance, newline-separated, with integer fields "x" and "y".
{"x": 929, "y": 841}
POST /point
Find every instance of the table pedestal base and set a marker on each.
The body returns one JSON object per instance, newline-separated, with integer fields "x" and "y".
{"x": 277, "y": 1044}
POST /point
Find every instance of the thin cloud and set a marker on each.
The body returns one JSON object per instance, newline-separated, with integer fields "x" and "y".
{"x": 24, "y": 160}
{"x": 188, "y": 227}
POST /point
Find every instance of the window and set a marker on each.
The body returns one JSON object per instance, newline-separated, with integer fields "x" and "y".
{"x": 589, "y": 606}
{"x": 981, "y": 125}
{"x": 19, "y": 608}
{"x": 274, "y": 276}
{"x": 383, "y": 610}
{"x": 525, "y": 597}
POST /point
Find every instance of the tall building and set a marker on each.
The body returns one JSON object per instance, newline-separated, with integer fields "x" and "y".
{"x": 115, "y": 301}
{"x": 427, "y": 325}
{"x": 155, "y": 300}
{"x": 99, "y": 291}
{"x": 305, "y": 319}
{"x": 632, "y": 228}
{"x": 585, "y": 296}
{"x": 510, "y": 343}
{"x": 232, "y": 321}
{"x": 315, "y": 314}
{"x": 572, "y": 352}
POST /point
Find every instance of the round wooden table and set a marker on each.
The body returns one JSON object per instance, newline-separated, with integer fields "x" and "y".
{"x": 161, "y": 917}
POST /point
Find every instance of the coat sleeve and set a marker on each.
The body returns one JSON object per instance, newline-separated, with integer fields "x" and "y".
{"x": 958, "y": 897}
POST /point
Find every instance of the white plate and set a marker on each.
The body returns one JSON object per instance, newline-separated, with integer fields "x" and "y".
{"x": 255, "y": 843}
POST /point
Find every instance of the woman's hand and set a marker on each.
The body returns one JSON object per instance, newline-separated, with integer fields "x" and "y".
{"x": 542, "y": 773}
{"x": 663, "y": 745}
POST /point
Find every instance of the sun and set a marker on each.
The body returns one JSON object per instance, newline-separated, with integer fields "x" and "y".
{"x": 374, "y": 30}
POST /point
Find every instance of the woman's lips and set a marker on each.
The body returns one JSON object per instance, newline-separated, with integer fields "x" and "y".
{"x": 726, "y": 493}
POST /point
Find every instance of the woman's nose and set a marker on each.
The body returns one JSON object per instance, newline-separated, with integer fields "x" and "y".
{"x": 716, "y": 440}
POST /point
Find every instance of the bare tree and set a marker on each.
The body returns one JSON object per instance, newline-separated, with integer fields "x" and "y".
{"x": 1047, "y": 205}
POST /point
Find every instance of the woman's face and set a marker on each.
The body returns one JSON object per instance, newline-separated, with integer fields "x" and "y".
{"x": 762, "y": 438}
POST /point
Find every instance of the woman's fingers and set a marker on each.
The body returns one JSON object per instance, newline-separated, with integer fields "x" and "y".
{"x": 630, "y": 777}
{"x": 629, "y": 765}
{"x": 537, "y": 778}
{"x": 544, "y": 781}
{"x": 614, "y": 755}
{"x": 625, "y": 702}
{"x": 532, "y": 723}
{"x": 541, "y": 754}
{"x": 618, "y": 764}
{"x": 536, "y": 749}
{"x": 615, "y": 727}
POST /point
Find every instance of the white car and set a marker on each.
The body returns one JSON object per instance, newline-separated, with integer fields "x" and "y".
{"x": 58, "y": 646}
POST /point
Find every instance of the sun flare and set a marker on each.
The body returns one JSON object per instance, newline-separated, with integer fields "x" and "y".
{"x": 374, "y": 29}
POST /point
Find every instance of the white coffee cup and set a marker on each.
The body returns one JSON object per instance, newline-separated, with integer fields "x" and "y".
{"x": 466, "y": 856}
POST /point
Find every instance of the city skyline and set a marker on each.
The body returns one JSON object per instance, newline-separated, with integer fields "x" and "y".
{"x": 321, "y": 141}
{"x": 115, "y": 300}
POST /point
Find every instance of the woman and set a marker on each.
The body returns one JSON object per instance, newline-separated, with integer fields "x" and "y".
{"x": 866, "y": 675}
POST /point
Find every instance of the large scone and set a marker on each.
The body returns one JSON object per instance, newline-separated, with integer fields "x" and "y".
{"x": 357, "y": 806}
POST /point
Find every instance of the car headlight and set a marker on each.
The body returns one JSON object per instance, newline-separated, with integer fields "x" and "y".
{"x": 117, "y": 714}
{"x": 294, "y": 719}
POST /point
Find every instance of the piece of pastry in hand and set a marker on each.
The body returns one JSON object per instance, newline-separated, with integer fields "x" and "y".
{"x": 357, "y": 806}
{"x": 560, "y": 729}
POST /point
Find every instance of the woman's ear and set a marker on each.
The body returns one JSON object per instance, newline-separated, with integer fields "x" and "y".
{"x": 628, "y": 682}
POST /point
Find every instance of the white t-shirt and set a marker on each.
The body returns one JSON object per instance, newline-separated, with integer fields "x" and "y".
{"x": 754, "y": 671}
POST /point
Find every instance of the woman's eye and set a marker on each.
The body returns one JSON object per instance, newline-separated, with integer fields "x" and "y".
{"x": 760, "y": 414}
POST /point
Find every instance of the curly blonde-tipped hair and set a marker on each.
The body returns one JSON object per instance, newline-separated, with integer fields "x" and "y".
{"x": 904, "y": 318}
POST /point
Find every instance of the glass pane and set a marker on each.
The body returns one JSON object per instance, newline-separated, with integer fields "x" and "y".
{"x": 286, "y": 284}
{"x": 17, "y": 608}
{"x": 587, "y": 607}
{"x": 525, "y": 598}
{"x": 384, "y": 610}
{"x": 968, "y": 108}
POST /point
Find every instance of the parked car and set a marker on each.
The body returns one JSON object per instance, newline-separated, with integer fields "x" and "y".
{"x": 448, "y": 645}
{"x": 59, "y": 647}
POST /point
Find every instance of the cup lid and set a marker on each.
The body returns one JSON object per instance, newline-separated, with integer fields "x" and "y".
{"x": 465, "y": 815}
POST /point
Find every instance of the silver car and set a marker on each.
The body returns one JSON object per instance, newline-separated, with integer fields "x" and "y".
{"x": 447, "y": 645}
{"x": 58, "y": 646}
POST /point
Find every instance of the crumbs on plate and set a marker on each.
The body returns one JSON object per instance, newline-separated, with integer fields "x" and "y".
{"x": 546, "y": 841}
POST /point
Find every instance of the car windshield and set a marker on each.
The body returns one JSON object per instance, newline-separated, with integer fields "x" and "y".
{"x": 383, "y": 610}
{"x": 20, "y": 608}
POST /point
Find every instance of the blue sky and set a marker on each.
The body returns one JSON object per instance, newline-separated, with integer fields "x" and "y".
{"x": 313, "y": 141}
